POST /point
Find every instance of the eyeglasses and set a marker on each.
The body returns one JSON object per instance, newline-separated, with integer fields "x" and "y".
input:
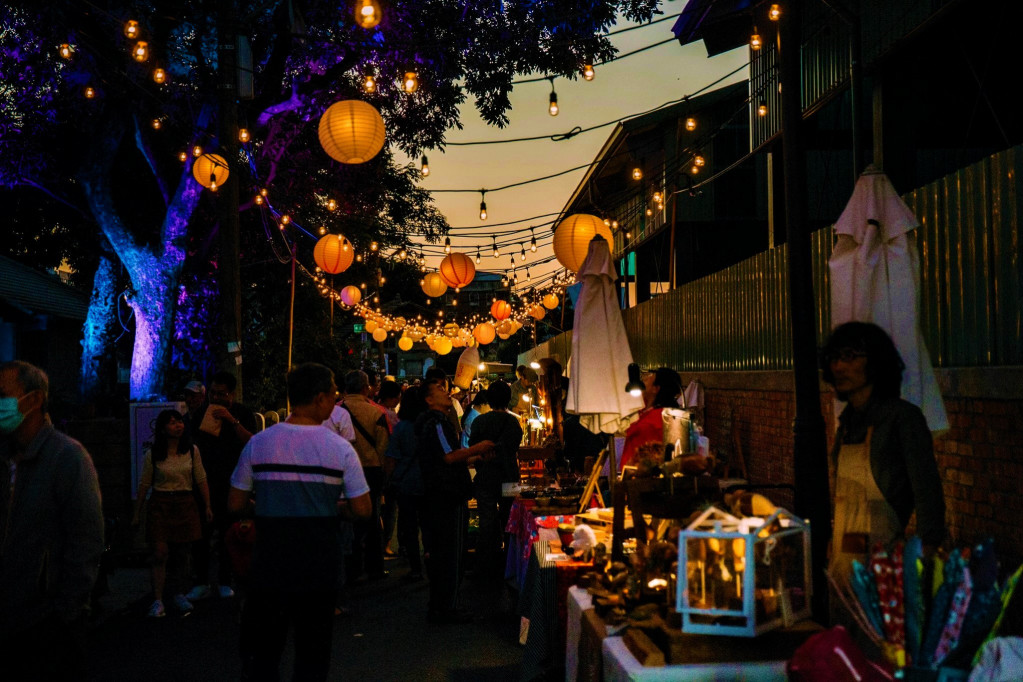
{"x": 844, "y": 355}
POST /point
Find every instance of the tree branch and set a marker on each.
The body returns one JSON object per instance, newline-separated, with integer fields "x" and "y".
{"x": 29, "y": 182}
{"x": 147, "y": 154}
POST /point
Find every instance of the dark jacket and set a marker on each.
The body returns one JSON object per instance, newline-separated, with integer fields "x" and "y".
{"x": 901, "y": 460}
{"x": 503, "y": 429}
{"x": 51, "y": 534}
{"x": 441, "y": 481}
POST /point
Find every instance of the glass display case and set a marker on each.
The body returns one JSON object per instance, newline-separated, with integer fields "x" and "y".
{"x": 743, "y": 576}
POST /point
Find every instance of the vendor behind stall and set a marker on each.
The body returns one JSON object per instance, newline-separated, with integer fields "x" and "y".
{"x": 883, "y": 458}
{"x": 661, "y": 389}
{"x": 523, "y": 391}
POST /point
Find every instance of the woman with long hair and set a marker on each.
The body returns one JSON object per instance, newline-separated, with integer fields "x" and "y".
{"x": 173, "y": 470}
{"x": 662, "y": 388}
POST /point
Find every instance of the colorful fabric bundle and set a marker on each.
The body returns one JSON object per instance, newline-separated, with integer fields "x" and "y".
{"x": 865, "y": 589}
{"x": 887, "y": 571}
{"x": 954, "y": 567}
{"x": 915, "y": 607}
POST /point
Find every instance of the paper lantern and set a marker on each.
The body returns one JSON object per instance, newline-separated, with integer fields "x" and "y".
{"x": 210, "y": 170}
{"x": 457, "y": 270}
{"x": 433, "y": 285}
{"x": 537, "y": 312}
{"x": 351, "y": 131}
{"x": 516, "y": 325}
{"x": 550, "y": 301}
{"x": 572, "y": 238}
{"x": 371, "y": 326}
{"x": 458, "y": 342}
{"x": 503, "y": 337}
{"x": 500, "y": 310}
{"x": 380, "y": 334}
{"x": 333, "y": 254}
{"x": 351, "y": 295}
{"x": 399, "y": 323}
{"x": 484, "y": 333}
{"x": 504, "y": 328}
{"x": 405, "y": 343}
{"x": 416, "y": 334}
{"x": 451, "y": 330}
{"x": 442, "y": 345}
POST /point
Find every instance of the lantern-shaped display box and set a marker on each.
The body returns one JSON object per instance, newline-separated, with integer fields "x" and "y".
{"x": 743, "y": 577}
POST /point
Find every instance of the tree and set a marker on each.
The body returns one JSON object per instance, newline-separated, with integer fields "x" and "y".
{"x": 101, "y": 153}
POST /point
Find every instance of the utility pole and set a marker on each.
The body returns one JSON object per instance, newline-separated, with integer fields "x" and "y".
{"x": 810, "y": 444}
{"x": 228, "y": 217}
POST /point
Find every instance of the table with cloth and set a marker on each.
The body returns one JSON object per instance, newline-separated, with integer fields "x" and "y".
{"x": 524, "y": 523}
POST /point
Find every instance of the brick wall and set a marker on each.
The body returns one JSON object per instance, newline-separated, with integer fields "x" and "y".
{"x": 980, "y": 458}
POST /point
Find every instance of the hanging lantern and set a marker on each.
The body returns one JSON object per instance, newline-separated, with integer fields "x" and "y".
{"x": 333, "y": 253}
{"x": 550, "y": 301}
{"x": 457, "y": 270}
{"x": 159, "y": 75}
{"x": 500, "y": 310}
{"x": 572, "y": 238}
{"x": 367, "y": 13}
{"x": 442, "y": 345}
{"x": 410, "y": 83}
{"x": 140, "y": 52}
{"x": 515, "y": 326}
{"x": 351, "y": 295}
{"x": 537, "y": 312}
{"x": 405, "y": 343}
{"x": 451, "y": 330}
{"x": 371, "y": 325}
{"x": 351, "y": 131}
{"x": 399, "y": 323}
{"x": 210, "y": 170}
{"x": 433, "y": 285}
{"x": 379, "y": 334}
{"x": 131, "y": 29}
{"x": 244, "y": 135}
{"x": 484, "y": 333}
{"x": 504, "y": 330}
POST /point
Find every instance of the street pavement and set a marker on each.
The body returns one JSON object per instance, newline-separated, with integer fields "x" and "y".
{"x": 386, "y": 637}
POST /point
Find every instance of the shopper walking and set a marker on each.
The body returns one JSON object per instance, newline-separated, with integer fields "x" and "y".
{"x": 406, "y": 479}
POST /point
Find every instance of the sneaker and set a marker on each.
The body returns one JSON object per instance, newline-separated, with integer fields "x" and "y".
{"x": 225, "y": 592}
{"x": 156, "y": 610}
{"x": 198, "y": 593}
{"x": 182, "y": 604}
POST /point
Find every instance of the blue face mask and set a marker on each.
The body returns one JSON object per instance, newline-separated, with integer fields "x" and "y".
{"x": 10, "y": 416}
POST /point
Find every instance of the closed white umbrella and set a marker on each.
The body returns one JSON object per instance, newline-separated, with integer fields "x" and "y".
{"x": 599, "y": 366}
{"x": 875, "y": 277}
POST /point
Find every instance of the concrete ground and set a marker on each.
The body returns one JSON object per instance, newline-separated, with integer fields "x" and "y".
{"x": 386, "y": 638}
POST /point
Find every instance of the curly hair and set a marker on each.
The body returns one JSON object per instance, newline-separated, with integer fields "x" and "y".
{"x": 884, "y": 364}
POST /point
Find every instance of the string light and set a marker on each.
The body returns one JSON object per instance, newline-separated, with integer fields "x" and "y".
{"x": 369, "y": 84}
{"x": 657, "y": 197}
{"x": 483, "y": 210}
{"x": 197, "y": 152}
{"x": 754, "y": 40}
{"x": 477, "y": 255}
{"x": 522, "y": 253}
{"x": 367, "y": 13}
{"x": 699, "y": 160}
{"x": 425, "y": 170}
{"x": 552, "y": 108}
{"x": 65, "y": 51}
{"x": 496, "y": 252}
{"x": 259, "y": 200}
{"x": 285, "y": 219}
{"x": 411, "y": 82}
{"x": 774, "y": 14}
{"x": 614, "y": 224}
{"x": 182, "y": 156}
{"x": 447, "y": 244}
{"x": 89, "y": 92}
{"x": 373, "y": 246}
{"x": 159, "y": 76}
{"x": 131, "y": 29}
{"x": 323, "y": 229}
{"x": 263, "y": 192}
{"x": 649, "y": 212}
{"x": 243, "y": 135}
{"x": 690, "y": 124}
{"x": 694, "y": 170}
{"x": 140, "y": 52}
{"x": 532, "y": 241}
{"x": 588, "y": 72}
{"x": 331, "y": 205}
{"x": 156, "y": 123}
{"x": 762, "y": 110}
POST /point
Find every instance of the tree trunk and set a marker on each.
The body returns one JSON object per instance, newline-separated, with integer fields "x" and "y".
{"x": 98, "y": 360}
{"x": 153, "y": 302}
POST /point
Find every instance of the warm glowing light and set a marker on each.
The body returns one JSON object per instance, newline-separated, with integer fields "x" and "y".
{"x": 156, "y": 123}
{"x": 572, "y": 239}
{"x": 637, "y": 173}
{"x": 553, "y": 109}
{"x": 131, "y": 29}
{"x": 323, "y": 229}
{"x": 197, "y": 152}
{"x": 410, "y": 83}
{"x": 140, "y": 52}
{"x": 588, "y": 72}
{"x": 182, "y": 156}
{"x": 210, "y": 171}
{"x": 425, "y": 170}
{"x": 774, "y": 14}
{"x": 694, "y": 170}
{"x": 65, "y": 51}
{"x": 285, "y": 219}
{"x": 690, "y": 123}
{"x": 699, "y": 160}
{"x": 373, "y": 246}
{"x": 262, "y": 192}
{"x": 532, "y": 244}
{"x": 369, "y": 84}
{"x": 259, "y": 200}
{"x": 656, "y": 583}
{"x": 367, "y": 13}
{"x": 351, "y": 131}
{"x": 649, "y": 212}
{"x": 243, "y": 135}
{"x": 754, "y": 41}
{"x": 89, "y": 92}
{"x": 534, "y": 364}
{"x": 457, "y": 270}
{"x": 657, "y": 197}
{"x": 159, "y": 75}
{"x": 762, "y": 109}
{"x": 483, "y": 216}
{"x": 447, "y": 244}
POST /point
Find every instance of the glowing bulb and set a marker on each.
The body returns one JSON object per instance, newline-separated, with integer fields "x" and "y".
{"x": 482, "y": 367}
{"x": 690, "y": 123}
{"x": 411, "y": 82}
{"x": 754, "y": 41}
{"x": 532, "y": 244}
{"x": 243, "y": 135}
{"x": 774, "y": 14}
{"x": 522, "y": 253}
{"x": 628, "y": 235}
{"x": 323, "y": 229}
{"x": 140, "y": 52}
{"x": 477, "y": 256}
{"x": 156, "y": 124}
{"x": 259, "y": 200}
{"x": 614, "y": 224}
{"x": 483, "y": 216}
{"x": 262, "y": 192}
{"x": 159, "y": 75}
{"x": 552, "y": 109}
{"x": 367, "y": 13}
{"x": 331, "y": 205}
{"x": 90, "y": 92}
{"x": 699, "y": 160}
{"x": 762, "y": 109}
{"x": 425, "y": 170}
{"x": 65, "y": 51}
{"x": 197, "y": 152}
{"x": 447, "y": 244}
{"x": 649, "y": 212}
{"x": 588, "y": 72}
{"x": 526, "y": 398}
{"x": 182, "y": 156}
{"x": 657, "y": 197}
{"x": 131, "y": 29}
{"x": 373, "y": 246}
{"x": 694, "y": 170}
{"x": 369, "y": 84}
{"x": 637, "y": 173}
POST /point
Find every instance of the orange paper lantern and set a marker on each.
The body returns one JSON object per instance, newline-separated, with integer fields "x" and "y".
{"x": 537, "y": 312}
{"x": 457, "y": 270}
{"x": 351, "y": 131}
{"x": 500, "y": 310}
{"x": 405, "y": 343}
{"x": 484, "y": 333}
{"x": 434, "y": 285}
{"x": 333, "y": 254}
{"x": 442, "y": 345}
{"x": 572, "y": 238}
{"x": 550, "y": 301}
{"x": 209, "y": 169}
{"x": 351, "y": 295}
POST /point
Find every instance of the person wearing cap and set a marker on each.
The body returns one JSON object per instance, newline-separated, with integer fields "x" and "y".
{"x": 195, "y": 400}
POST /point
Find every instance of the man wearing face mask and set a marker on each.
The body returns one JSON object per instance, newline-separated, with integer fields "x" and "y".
{"x": 51, "y": 534}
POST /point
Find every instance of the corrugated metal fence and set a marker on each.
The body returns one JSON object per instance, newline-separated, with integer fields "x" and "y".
{"x": 971, "y": 288}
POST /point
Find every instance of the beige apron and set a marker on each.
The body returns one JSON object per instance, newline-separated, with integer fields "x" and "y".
{"x": 862, "y": 515}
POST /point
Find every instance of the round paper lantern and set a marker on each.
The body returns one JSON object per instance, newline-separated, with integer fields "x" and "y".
{"x": 458, "y": 342}
{"x": 405, "y": 343}
{"x": 572, "y": 238}
{"x": 516, "y": 325}
{"x": 451, "y": 330}
{"x": 400, "y": 322}
{"x": 351, "y": 295}
{"x": 503, "y": 337}
{"x": 209, "y": 169}
{"x": 484, "y": 333}
{"x": 333, "y": 253}
{"x": 504, "y": 328}
{"x": 500, "y": 310}
{"x": 550, "y": 301}
{"x": 442, "y": 345}
{"x": 537, "y": 312}
{"x": 351, "y": 131}
{"x": 433, "y": 285}
{"x": 416, "y": 334}
{"x": 380, "y": 334}
{"x": 457, "y": 270}
{"x": 371, "y": 326}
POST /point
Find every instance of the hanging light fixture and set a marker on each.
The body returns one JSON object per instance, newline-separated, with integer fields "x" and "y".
{"x": 522, "y": 252}
{"x": 552, "y": 107}
{"x": 447, "y": 244}
{"x": 699, "y": 160}
{"x": 762, "y": 110}
{"x": 774, "y": 13}
{"x": 373, "y": 246}
{"x": 65, "y": 51}
{"x": 243, "y": 135}
{"x": 496, "y": 252}
{"x": 369, "y": 84}
{"x": 159, "y": 75}
{"x": 410, "y": 83}
{"x": 614, "y": 224}
{"x": 637, "y": 173}
{"x": 690, "y": 124}
{"x": 754, "y": 40}
{"x": 140, "y": 52}
{"x": 483, "y": 208}
{"x": 425, "y": 170}
{"x": 588, "y": 72}
{"x": 657, "y": 197}
{"x": 131, "y": 29}
{"x": 477, "y": 255}
{"x": 532, "y": 241}
{"x": 197, "y": 152}
{"x": 183, "y": 156}
{"x": 156, "y": 123}
{"x": 367, "y": 13}
{"x": 331, "y": 205}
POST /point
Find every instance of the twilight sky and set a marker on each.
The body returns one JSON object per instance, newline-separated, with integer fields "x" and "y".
{"x": 620, "y": 89}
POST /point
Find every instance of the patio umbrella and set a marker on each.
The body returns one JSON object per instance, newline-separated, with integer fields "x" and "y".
{"x": 599, "y": 365}
{"x": 875, "y": 276}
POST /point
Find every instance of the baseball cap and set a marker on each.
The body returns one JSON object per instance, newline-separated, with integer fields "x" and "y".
{"x": 195, "y": 387}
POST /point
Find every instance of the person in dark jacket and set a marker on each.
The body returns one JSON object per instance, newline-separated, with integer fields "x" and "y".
{"x": 51, "y": 534}
{"x": 883, "y": 456}
{"x": 447, "y": 488}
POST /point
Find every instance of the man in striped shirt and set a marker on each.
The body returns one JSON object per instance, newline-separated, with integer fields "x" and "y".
{"x": 296, "y": 478}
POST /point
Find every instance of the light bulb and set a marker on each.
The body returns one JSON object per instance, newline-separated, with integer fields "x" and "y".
{"x": 637, "y": 173}
{"x": 699, "y": 160}
{"x": 532, "y": 244}
{"x": 447, "y": 244}
{"x": 774, "y": 14}
{"x": 369, "y": 84}
{"x": 690, "y": 123}
{"x": 483, "y": 215}
{"x": 522, "y": 253}
{"x": 694, "y": 170}
{"x": 373, "y": 246}
{"x": 331, "y": 205}
{"x": 649, "y": 212}
{"x": 243, "y": 135}
{"x": 482, "y": 367}
{"x": 89, "y": 92}
{"x": 197, "y": 152}
{"x": 213, "y": 183}
{"x": 65, "y": 51}
{"x": 628, "y": 235}
{"x": 323, "y": 230}
{"x": 285, "y": 219}
{"x": 259, "y": 200}
{"x": 263, "y": 192}
{"x": 156, "y": 124}
{"x": 140, "y": 52}
{"x": 411, "y": 82}
{"x": 159, "y": 75}
{"x": 657, "y": 197}
{"x": 131, "y": 29}
{"x": 367, "y": 13}
{"x": 477, "y": 256}
{"x": 614, "y": 224}
{"x": 425, "y": 170}
{"x": 553, "y": 108}
{"x": 754, "y": 41}
{"x": 588, "y": 72}
{"x": 182, "y": 156}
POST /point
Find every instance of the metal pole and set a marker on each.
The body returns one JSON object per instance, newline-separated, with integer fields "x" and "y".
{"x": 810, "y": 445}
{"x": 291, "y": 313}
